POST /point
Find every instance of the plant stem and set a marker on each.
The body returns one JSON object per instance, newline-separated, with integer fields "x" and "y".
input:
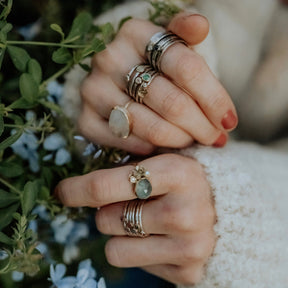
{"x": 50, "y": 44}
{"x": 4, "y": 182}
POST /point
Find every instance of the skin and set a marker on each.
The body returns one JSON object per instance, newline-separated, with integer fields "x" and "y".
{"x": 191, "y": 105}
{"x": 184, "y": 105}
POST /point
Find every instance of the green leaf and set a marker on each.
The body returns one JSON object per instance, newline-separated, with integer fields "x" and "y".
{"x": 108, "y": 32}
{"x": 1, "y": 125}
{"x": 7, "y": 198}
{"x": 7, "y": 9}
{"x": 6, "y": 215}
{"x": 29, "y": 197}
{"x": 35, "y": 70}
{"x": 10, "y": 170}
{"x": 5, "y": 239}
{"x": 21, "y": 103}
{"x": 10, "y": 140}
{"x": 58, "y": 29}
{"x": 123, "y": 21}
{"x": 62, "y": 56}
{"x": 81, "y": 25}
{"x": 85, "y": 67}
{"x": 44, "y": 193}
{"x": 28, "y": 88}
{"x": 2, "y": 54}
{"x": 19, "y": 57}
{"x": 96, "y": 46}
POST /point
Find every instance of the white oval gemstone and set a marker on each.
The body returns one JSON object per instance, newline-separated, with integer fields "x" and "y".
{"x": 119, "y": 122}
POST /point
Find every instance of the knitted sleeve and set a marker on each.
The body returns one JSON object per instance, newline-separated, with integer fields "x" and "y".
{"x": 250, "y": 186}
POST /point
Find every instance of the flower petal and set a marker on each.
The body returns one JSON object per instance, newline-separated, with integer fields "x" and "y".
{"x": 62, "y": 157}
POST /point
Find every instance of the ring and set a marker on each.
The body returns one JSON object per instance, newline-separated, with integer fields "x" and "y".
{"x": 157, "y": 46}
{"x": 120, "y": 122}
{"x": 139, "y": 178}
{"x": 132, "y": 218}
{"x": 138, "y": 80}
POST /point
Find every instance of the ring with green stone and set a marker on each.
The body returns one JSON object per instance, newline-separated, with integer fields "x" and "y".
{"x": 139, "y": 178}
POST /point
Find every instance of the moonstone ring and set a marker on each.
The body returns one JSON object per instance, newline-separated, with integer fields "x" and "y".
{"x": 139, "y": 178}
{"x": 120, "y": 122}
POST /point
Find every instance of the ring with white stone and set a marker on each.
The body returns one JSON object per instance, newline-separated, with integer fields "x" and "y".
{"x": 120, "y": 122}
{"x": 132, "y": 218}
{"x": 139, "y": 178}
{"x": 138, "y": 80}
{"x": 158, "y": 45}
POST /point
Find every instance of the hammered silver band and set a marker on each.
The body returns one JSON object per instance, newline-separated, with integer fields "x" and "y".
{"x": 158, "y": 45}
{"x": 138, "y": 80}
{"x": 132, "y": 218}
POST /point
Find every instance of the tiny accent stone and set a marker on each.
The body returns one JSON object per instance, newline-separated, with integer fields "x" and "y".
{"x": 133, "y": 179}
{"x": 146, "y": 77}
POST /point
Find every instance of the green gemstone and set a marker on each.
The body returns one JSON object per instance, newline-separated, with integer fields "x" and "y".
{"x": 146, "y": 77}
{"x": 143, "y": 189}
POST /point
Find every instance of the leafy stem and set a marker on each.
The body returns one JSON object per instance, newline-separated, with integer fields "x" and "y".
{"x": 11, "y": 187}
{"x": 48, "y": 44}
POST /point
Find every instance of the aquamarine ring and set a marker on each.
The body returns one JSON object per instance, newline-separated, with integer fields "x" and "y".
{"x": 139, "y": 178}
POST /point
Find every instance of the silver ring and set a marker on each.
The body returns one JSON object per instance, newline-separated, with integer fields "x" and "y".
{"x": 139, "y": 177}
{"x": 158, "y": 45}
{"x": 132, "y": 218}
{"x": 120, "y": 122}
{"x": 138, "y": 80}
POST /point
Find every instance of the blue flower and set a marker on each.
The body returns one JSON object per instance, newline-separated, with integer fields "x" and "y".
{"x": 85, "y": 277}
{"x": 30, "y": 31}
{"x": 56, "y": 143}
{"x": 55, "y": 91}
{"x": 26, "y": 147}
{"x": 17, "y": 276}
{"x": 3, "y": 255}
{"x": 69, "y": 232}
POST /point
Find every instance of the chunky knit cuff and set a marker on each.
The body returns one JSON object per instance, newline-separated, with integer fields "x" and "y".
{"x": 249, "y": 184}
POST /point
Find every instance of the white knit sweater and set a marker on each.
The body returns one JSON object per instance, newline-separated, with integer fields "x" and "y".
{"x": 249, "y": 181}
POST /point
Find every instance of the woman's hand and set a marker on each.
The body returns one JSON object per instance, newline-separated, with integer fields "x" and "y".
{"x": 179, "y": 216}
{"x": 184, "y": 104}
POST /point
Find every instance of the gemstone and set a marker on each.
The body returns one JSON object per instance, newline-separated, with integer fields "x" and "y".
{"x": 138, "y": 80}
{"x": 133, "y": 179}
{"x": 140, "y": 69}
{"x": 146, "y": 77}
{"x": 119, "y": 122}
{"x": 143, "y": 189}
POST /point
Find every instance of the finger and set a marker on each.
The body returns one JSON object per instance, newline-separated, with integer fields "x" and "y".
{"x": 184, "y": 66}
{"x": 189, "y": 275}
{"x": 147, "y": 124}
{"x": 132, "y": 252}
{"x": 176, "y": 215}
{"x": 191, "y": 27}
{"x": 103, "y": 187}
{"x": 96, "y": 129}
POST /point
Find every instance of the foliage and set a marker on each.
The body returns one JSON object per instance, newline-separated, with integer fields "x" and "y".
{"x": 39, "y": 145}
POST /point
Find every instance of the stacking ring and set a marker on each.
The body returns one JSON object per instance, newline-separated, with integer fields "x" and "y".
{"x": 120, "y": 122}
{"x": 138, "y": 80}
{"x": 132, "y": 218}
{"x": 157, "y": 46}
{"x": 139, "y": 178}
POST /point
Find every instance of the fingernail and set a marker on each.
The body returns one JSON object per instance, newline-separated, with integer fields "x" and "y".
{"x": 221, "y": 141}
{"x": 229, "y": 121}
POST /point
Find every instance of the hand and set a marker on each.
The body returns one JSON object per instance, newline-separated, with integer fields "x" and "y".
{"x": 185, "y": 104}
{"x": 179, "y": 216}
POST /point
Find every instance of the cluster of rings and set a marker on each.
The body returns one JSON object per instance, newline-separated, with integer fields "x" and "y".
{"x": 157, "y": 46}
{"x": 132, "y": 218}
{"x": 139, "y": 79}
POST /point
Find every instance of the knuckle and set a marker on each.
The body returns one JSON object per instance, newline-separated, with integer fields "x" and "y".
{"x": 112, "y": 253}
{"x": 190, "y": 66}
{"x": 102, "y": 60}
{"x": 128, "y": 27}
{"x": 156, "y": 134}
{"x": 174, "y": 103}
{"x": 99, "y": 189}
{"x": 216, "y": 101}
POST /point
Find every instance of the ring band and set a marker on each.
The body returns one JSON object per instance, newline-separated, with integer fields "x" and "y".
{"x": 138, "y": 80}
{"x": 132, "y": 218}
{"x": 158, "y": 45}
{"x": 120, "y": 122}
{"x": 139, "y": 178}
